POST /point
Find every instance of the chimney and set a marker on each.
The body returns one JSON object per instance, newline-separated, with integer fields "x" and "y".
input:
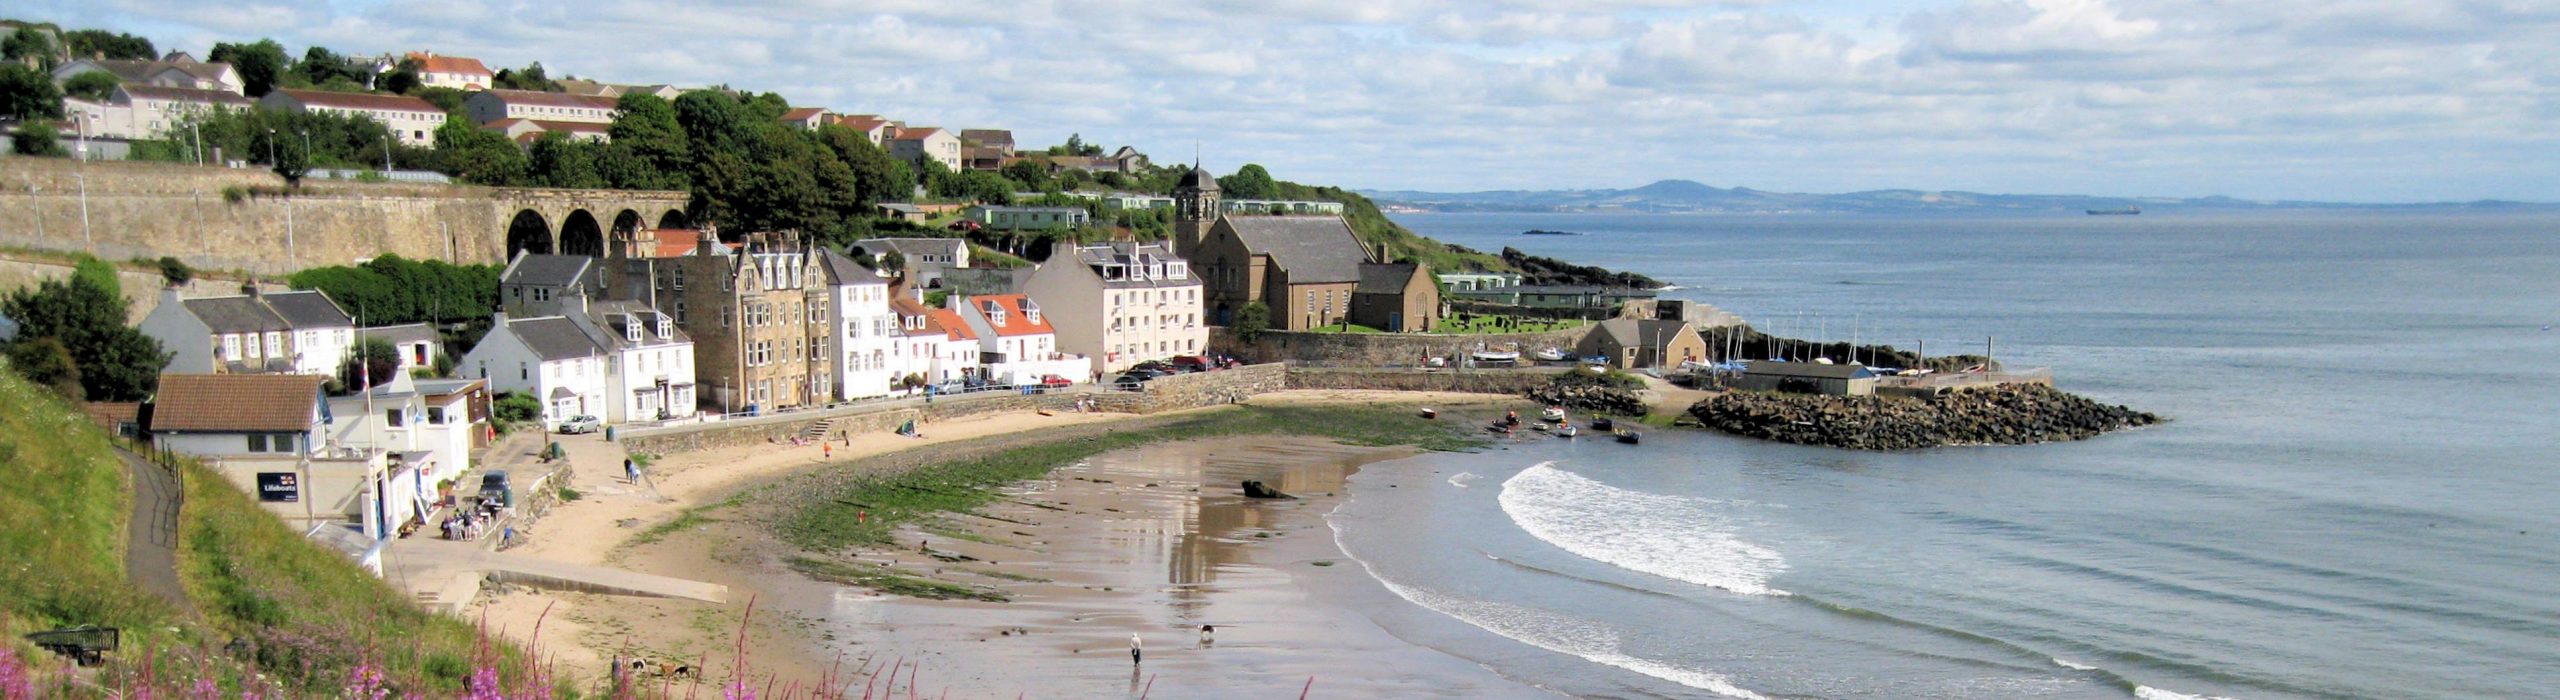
{"x": 249, "y": 288}
{"x": 706, "y": 240}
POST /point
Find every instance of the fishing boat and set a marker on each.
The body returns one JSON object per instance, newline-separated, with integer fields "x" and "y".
{"x": 1567, "y": 432}
{"x": 1552, "y": 355}
{"x": 1544, "y": 232}
{"x": 1496, "y": 357}
{"x": 1602, "y": 423}
{"x": 2127, "y": 210}
{"x": 1628, "y": 437}
{"x": 1553, "y": 414}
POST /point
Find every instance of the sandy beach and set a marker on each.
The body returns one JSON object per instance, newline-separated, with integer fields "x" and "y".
{"x": 1155, "y": 541}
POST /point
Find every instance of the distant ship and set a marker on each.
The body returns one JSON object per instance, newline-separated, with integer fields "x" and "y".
{"x": 1544, "y": 232}
{"x": 2128, "y": 210}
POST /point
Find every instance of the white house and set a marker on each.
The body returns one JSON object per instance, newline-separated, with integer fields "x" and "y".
{"x": 928, "y": 260}
{"x": 457, "y": 72}
{"x": 648, "y": 361}
{"x": 177, "y": 70}
{"x": 1121, "y": 303}
{"x": 257, "y": 332}
{"x": 148, "y": 111}
{"x": 417, "y": 344}
{"x": 916, "y": 146}
{"x": 492, "y": 105}
{"x": 537, "y": 284}
{"x": 269, "y": 435}
{"x": 549, "y": 358}
{"x": 428, "y": 427}
{"x": 411, "y": 120}
{"x": 934, "y": 345}
{"x": 1016, "y": 344}
{"x": 866, "y": 332}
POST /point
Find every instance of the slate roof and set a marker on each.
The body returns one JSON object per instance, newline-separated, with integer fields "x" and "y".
{"x": 842, "y": 271}
{"x": 1633, "y": 333}
{"x": 1199, "y": 179}
{"x": 155, "y": 92}
{"x": 546, "y": 270}
{"x": 1814, "y": 370}
{"x": 1313, "y": 249}
{"x": 1093, "y": 257}
{"x": 239, "y": 314}
{"x": 403, "y": 333}
{"x": 235, "y": 403}
{"x": 355, "y": 100}
{"x": 612, "y": 321}
{"x": 308, "y": 309}
{"x": 1385, "y": 278}
{"x": 551, "y": 99}
{"x": 554, "y": 338}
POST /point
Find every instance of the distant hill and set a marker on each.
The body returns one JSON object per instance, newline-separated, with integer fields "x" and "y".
{"x": 1685, "y": 196}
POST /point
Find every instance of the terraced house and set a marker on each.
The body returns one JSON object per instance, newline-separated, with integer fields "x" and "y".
{"x": 256, "y": 332}
{"x": 760, "y": 319}
{"x": 1121, "y": 303}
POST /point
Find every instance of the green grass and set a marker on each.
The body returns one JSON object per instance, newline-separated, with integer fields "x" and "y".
{"x": 867, "y": 510}
{"x": 887, "y": 580}
{"x": 64, "y": 509}
{"x": 1345, "y": 328}
{"x": 691, "y": 517}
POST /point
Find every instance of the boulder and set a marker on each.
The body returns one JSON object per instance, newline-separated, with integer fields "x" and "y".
{"x": 2007, "y": 415}
{"x": 1256, "y": 489}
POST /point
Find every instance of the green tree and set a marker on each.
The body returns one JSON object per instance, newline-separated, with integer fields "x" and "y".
{"x": 391, "y": 290}
{"x": 404, "y": 78}
{"x": 372, "y": 363}
{"x": 1250, "y": 182}
{"x": 37, "y": 138}
{"x": 47, "y": 363}
{"x": 555, "y": 160}
{"x": 115, "y": 362}
{"x": 1028, "y": 175}
{"x": 100, "y": 273}
{"x": 893, "y": 261}
{"x": 28, "y": 43}
{"x": 261, "y": 64}
{"x": 479, "y": 155}
{"x": 28, "y": 94}
{"x": 513, "y": 408}
{"x": 530, "y": 77}
{"x": 883, "y": 178}
{"x": 175, "y": 272}
{"x": 98, "y": 42}
{"x": 1250, "y": 321}
{"x": 445, "y": 98}
{"x": 292, "y": 154}
{"x": 326, "y": 69}
{"x": 93, "y": 86}
{"x": 647, "y": 127}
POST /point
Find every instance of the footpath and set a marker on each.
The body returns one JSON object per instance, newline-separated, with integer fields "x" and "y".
{"x": 151, "y": 547}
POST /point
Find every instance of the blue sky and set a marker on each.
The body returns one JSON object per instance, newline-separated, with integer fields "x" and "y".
{"x": 2348, "y": 100}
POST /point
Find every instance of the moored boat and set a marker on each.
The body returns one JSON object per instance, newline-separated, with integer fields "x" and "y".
{"x": 1567, "y": 432}
{"x": 1553, "y": 414}
{"x": 1602, "y": 423}
{"x": 1628, "y": 436}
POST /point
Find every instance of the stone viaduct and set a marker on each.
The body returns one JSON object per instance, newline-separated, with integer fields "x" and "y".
{"x": 238, "y": 219}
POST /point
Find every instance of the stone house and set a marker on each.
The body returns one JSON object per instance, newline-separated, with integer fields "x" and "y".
{"x": 1121, "y": 303}
{"x": 1303, "y": 268}
{"x": 758, "y": 317}
{"x": 411, "y": 120}
{"x": 1396, "y": 298}
{"x": 257, "y": 332}
{"x": 1632, "y": 343}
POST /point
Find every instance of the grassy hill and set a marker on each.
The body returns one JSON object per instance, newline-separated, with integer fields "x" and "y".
{"x": 266, "y": 608}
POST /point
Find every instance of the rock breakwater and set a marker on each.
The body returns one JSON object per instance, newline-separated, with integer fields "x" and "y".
{"x": 1604, "y": 400}
{"x": 2008, "y": 415}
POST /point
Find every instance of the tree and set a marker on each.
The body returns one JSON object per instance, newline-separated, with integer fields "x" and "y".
{"x": 372, "y": 363}
{"x": 292, "y": 156}
{"x": 893, "y": 261}
{"x": 47, "y": 363}
{"x": 647, "y": 127}
{"x": 558, "y": 161}
{"x": 1250, "y": 182}
{"x": 98, "y": 42}
{"x": 1250, "y": 321}
{"x": 100, "y": 273}
{"x": 93, "y": 86}
{"x": 28, "y": 94}
{"x": 28, "y": 43}
{"x": 530, "y": 77}
{"x": 175, "y": 271}
{"x": 326, "y": 69}
{"x": 35, "y": 138}
{"x": 404, "y": 78}
{"x": 515, "y": 407}
{"x": 1031, "y": 176}
{"x": 479, "y": 155}
{"x": 260, "y": 64}
{"x": 444, "y": 98}
{"x": 115, "y": 362}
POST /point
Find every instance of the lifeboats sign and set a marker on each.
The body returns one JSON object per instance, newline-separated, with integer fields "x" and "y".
{"x": 279, "y": 487}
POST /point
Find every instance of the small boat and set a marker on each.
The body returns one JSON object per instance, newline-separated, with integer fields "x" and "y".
{"x": 1567, "y": 431}
{"x": 2126, "y": 210}
{"x": 1628, "y": 437}
{"x": 1602, "y": 423}
{"x": 1431, "y": 414}
{"x": 1553, "y": 414}
{"x": 1540, "y": 427}
{"x": 1552, "y": 355}
{"x": 1496, "y": 357}
{"x": 1499, "y": 427}
{"x": 1544, "y": 232}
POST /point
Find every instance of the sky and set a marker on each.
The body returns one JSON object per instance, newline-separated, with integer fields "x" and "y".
{"x": 2336, "y": 100}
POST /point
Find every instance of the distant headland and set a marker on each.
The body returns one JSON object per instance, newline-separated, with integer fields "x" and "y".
{"x": 1689, "y": 197}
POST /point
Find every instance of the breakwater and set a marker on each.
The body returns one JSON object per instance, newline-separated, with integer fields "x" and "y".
{"x": 2008, "y": 415}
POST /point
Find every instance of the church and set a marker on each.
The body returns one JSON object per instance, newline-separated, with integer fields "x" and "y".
{"x": 1305, "y": 269}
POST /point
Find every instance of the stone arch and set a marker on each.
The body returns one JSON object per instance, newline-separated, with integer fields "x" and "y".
{"x": 675, "y": 218}
{"x": 581, "y": 235}
{"x": 528, "y": 232}
{"x": 626, "y": 227}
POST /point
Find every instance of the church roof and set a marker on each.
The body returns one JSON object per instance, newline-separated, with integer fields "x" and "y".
{"x": 1311, "y": 248}
{"x": 1198, "y": 179}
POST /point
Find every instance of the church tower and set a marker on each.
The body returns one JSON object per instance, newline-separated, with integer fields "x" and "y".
{"x": 1196, "y": 208}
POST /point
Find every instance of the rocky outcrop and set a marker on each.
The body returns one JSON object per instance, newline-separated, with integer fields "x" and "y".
{"x": 1257, "y": 489}
{"x": 1589, "y": 398}
{"x": 2008, "y": 415}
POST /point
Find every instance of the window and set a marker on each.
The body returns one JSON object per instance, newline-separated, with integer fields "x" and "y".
{"x": 231, "y": 348}
{"x": 392, "y": 417}
{"x": 435, "y": 415}
{"x": 275, "y": 344}
{"x": 257, "y": 443}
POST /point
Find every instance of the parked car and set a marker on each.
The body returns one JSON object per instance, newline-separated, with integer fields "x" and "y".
{"x": 1193, "y": 363}
{"x": 1157, "y": 366}
{"x": 580, "y": 424}
{"x": 494, "y": 489}
{"x": 1131, "y": 381}
{"x": 1054, "y": 380}
{"x": 964, "y": 225}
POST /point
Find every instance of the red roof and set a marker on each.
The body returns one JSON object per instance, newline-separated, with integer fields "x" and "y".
{"x": 802, "y": 114}
{"x": 358, "y": 100}
{"x": 949, "y": 320}
{"x": 915, "y": 134}
{"x": 1015, "y": 321}
{"x": 431, "y": 63}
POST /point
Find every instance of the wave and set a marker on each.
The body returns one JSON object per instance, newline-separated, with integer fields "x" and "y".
{"x": 1551, "y": 631}
{"x": 2150, "y": 693}
{"x": 2073, "y": 665}
{"x": 1461, "y": 479}
{"x": 1668, "y": 536}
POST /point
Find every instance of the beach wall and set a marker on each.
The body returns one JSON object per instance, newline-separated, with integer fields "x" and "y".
{"x": 1198, "y": 389}
{"x": 1499, "y": 381}
{"x": 1378, "y": 349}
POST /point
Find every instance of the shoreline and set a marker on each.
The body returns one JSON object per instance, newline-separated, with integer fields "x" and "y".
{"x": 723, "y": 506}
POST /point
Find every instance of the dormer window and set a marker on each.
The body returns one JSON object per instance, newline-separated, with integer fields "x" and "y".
{"x": 666, "y": 328}
{"x": 995, "y": 314}
{"x": 1176, "y": 271}
{"x": 631, "y": 329}
{"x": 1030, "y": 311}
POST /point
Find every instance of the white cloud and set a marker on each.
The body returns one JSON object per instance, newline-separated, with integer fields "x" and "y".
{"x": 2349, "y": 99}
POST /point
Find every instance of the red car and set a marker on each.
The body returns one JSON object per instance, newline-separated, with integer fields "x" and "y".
{"x": 1054, "y": 380}
{"x": 1193, "y": 363}
{"x": 964, "y": 225}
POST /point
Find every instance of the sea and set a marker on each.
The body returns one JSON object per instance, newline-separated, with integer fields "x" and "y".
{"x": 2356, "y": 495}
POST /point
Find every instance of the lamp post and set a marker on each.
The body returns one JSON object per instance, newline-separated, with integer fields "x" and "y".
{"x": 82, "y": 176}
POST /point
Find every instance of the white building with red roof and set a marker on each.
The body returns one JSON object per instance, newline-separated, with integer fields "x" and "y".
{"x": 926, "y": 143}
{"x": 457, "y": 72}
{"x": 410, "y": 119}
{"x": 492, "y": 105}
{"x": 1016, "y": 344}
{"x": 525, "y": 131}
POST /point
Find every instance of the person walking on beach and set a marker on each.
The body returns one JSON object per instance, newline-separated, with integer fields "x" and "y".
{"x": 631, "y": 471}
{"x": 828, "y": 449}
{"x": 1133, "y": 649}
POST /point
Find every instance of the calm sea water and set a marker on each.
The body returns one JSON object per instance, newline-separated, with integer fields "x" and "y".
{"x": 2357, "y": 497}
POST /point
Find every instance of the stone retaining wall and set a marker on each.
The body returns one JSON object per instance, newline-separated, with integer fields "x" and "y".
{"x": 1507, "y": 381}
{"x": 1379, "y": 349}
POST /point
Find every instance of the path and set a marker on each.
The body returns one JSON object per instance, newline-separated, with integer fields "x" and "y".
{"x": 151, "y": 548}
